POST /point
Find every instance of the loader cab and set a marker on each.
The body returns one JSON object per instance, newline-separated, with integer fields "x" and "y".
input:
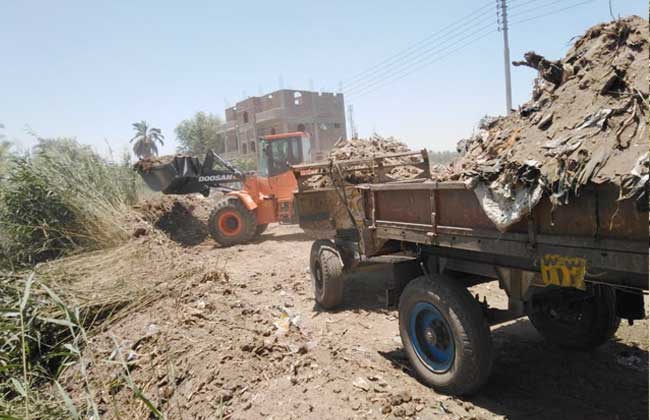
{"x": 276, "y": 152}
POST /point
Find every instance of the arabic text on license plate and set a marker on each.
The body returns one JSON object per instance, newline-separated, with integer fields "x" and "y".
{"x": 564, "y": 271}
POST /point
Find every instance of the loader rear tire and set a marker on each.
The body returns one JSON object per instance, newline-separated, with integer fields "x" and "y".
{"x": 326, "y": 269}
{"x": 231, "y": 223}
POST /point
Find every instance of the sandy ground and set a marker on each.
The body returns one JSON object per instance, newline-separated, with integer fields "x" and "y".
{"x": 350, "y": 364}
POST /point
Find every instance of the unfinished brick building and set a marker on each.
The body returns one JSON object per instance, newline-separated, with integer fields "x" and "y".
{"x": 321, "y": 114}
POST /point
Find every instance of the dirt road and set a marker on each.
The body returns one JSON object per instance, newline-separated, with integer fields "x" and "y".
{"x": 350, "y": 364}
{"x": 234, "y": 333}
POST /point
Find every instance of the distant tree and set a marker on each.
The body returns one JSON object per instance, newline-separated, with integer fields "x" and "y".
{"x": 443, "y": 157}
{"x": 199, "y": 134}
{"x": 5, "y": 153}
{"x": 145, "y": 139}
{"x": 245, "y": 164}
{"x": 5, "y": 156}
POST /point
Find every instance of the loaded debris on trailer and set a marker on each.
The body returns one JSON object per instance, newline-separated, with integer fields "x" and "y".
{"x": 551, "y": 200}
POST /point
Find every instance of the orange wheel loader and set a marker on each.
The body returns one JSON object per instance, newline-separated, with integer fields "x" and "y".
{"x": 263, "y": 197}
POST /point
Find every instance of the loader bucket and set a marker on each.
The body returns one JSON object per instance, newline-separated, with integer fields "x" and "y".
{"x": 175, "y": 175}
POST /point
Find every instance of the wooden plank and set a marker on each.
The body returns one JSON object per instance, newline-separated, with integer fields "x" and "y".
{"x": 559, "y": 240}
{"x": 598, "y": 261}
{"x": 423, "y": 186}
{"x": 401, "y": 225}
{"x": 327, "y": 163}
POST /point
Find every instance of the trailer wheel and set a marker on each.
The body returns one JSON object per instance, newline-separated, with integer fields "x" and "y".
{"x": 231, "y": 223}
{"x": 575, "y": 319}
{"x": 445, "y": 335}
{"x": 326, "y": 269}
{"x": 260, "y": 229}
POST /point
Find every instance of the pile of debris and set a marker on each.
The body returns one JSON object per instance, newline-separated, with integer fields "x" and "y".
{"x": 146, "y": 164}
{"x": 182, "y": 218}
{"x": 367, "y": 149}
{"x": 586, "y": 123}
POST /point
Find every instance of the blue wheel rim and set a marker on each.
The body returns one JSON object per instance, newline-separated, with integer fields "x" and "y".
{"x": 431, "y": 337}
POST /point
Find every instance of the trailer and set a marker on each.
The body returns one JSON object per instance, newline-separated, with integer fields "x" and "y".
{"x": 574, "y": 271}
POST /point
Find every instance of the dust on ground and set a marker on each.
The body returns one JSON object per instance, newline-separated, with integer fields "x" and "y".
{"x": 237, "y": 330}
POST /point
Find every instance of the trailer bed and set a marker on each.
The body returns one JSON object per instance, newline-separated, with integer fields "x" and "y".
{"x": 446, "y": 218}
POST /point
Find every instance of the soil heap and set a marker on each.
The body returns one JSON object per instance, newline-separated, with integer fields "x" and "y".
{"x": 146, "y": 164}
{"x": 586, "y": 122}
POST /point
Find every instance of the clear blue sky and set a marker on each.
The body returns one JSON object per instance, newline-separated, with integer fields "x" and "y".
{"x": 89, "y": 69}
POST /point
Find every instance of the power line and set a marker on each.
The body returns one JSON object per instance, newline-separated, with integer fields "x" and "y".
{"x": 535, "y": 8}
{"x": 385, "y": 83}
{"x": 415, "y": 55}
{"x": 430, "y": 52}
{"x": 413, "y": 48}
{"x": 517, "y": 4}
{"x": 552, "y": 12}
{"x": 383, "y": 79}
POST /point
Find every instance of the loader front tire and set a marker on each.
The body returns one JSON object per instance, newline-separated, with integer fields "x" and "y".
{"x": 326, "y": 269}
{"x": 231, "y": 223}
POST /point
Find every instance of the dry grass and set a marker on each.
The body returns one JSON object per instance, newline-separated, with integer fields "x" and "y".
{"x": 62, "y": 200}
{"x": 49, "y": 316}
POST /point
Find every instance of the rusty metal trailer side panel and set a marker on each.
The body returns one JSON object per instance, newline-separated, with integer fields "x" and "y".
{"x": 612, "y": 236}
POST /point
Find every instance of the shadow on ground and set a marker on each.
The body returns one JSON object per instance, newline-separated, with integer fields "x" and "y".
{"x": 532, "y": 379}
{"x": 182, "y": 226}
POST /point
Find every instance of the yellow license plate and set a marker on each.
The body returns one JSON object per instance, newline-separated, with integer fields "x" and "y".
{"x": 564, "y": 271}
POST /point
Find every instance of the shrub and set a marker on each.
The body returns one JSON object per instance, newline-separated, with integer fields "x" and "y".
{"x": 62, "y": 197}
{"x": 34, "y": 218}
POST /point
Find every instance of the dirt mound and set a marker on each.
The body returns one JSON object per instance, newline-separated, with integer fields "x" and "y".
{"x": 586, "y": 121}
{"x": 376, "y": 145}
{"x": 146, "y": 164}
{"x": 182, "y": 218}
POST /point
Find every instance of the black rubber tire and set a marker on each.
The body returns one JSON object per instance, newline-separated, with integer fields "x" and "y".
{"x": 573, "y": 319}
{"x": 327, "y": 274}
{"x": 472, "y": 361}
{"x": 249, "y": 225}
{"x": 260, "y": 229}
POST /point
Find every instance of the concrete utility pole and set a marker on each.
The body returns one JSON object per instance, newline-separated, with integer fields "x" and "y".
{"x": 353, "y": 127}
{"x": 503, "y": 23}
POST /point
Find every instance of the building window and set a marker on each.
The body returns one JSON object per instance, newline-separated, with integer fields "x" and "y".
{"x": 244, "y": 149}
{"x": 297, "y": 98}
{"x": 245, "y": 116}
{"x": 252, "y": 147}
{"x": 272, "y": 130}
{"x": 301, "y": 127}
{"x": 337, "y": 125}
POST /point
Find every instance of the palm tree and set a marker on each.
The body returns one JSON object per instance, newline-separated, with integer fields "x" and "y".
{"x": 145, "y": 140}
